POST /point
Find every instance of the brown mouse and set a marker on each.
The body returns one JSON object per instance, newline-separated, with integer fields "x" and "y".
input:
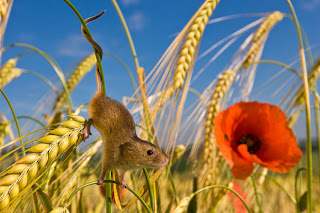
{"x": 122, "y": 149}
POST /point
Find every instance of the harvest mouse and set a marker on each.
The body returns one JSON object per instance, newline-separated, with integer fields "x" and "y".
{"x": 122, "y": 149}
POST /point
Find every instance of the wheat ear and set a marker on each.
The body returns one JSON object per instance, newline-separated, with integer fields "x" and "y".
{"x": 209, "y": 148}
{"x": 8, "y": 72}
{"x": 27, "y": 170}
{"x": 312, "y": 79}
{"x": 187, "y": 53}
{"x": 83, "y": 68}
{"x": 260, "y": 36}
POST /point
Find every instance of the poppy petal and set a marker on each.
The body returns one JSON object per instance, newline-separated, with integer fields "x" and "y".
{"x": 241, "y": 168}
{"x": 277, "y": 149}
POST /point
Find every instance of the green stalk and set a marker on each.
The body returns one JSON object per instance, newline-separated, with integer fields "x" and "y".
{"x": 35, "y": 203}
{"x": 50, "y": 60}
{"x": 108, "y": 185}
{"x": 152, "y": 200}
{"x": 127, "y": 69}
{"x": 135, "y": 58}
{"x": 125, "y": 26}
{"x": 296, "y": 188}
{"x": 308, "y": 114}
{"x": 108, "y": 193}
{"x": 50, "y": 84}
{"x": 279, "y": 64}
{"x": 294, "y": 201}
{"x": 31, "y": 118}
{"x": 89, "y": 34}
{"x": 110, "y": 181}
{"x": 16, "y": 122}
{"x": 256, "y": 193}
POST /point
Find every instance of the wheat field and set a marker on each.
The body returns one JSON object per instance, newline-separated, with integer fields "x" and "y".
{"x": 231, "y": 138}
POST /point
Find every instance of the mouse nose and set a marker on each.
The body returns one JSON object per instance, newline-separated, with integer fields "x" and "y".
{"x": 165, "y": 160}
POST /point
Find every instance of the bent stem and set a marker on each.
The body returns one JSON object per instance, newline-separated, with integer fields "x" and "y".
{"x": 294, "y": 201}
{"x": 223, "y": 187}
{"x": 296, "y": 188}
{"x": 109, "y": 181}
{"x": 47, "y": 81}
{"x": 16, "y": 122}
{"x": 256, "y": 193}
{"x": 50, "y": 60}
{"x": 307, "y": 102}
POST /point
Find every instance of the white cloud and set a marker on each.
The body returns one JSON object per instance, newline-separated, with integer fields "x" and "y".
{"x": 74, "y": 45}
{"x": 129, "y": 2}
{"x": 310, "y": 4}
{"x": 137, "y": 21}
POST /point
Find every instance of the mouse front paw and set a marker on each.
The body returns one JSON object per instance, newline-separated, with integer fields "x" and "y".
{"x": 100, "y": 181}
{"x": 85, "y": 133}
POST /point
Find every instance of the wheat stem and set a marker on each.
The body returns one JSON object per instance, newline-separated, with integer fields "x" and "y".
{"x": 15, "y": 120}
{"x": 256, "y": 193}
{"x": 50, "y": 60}
{"x": 308, "y": 114}
{"x": 126, "y": 29}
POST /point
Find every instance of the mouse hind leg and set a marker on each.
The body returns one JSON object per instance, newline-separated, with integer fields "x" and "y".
{"x": 105, "y": 164}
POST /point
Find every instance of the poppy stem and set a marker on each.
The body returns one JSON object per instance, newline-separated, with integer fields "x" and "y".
{"x": 307, "y": 102}
{"x": 256, "y": 193}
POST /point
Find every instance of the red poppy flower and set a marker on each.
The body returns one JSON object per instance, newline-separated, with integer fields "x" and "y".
{"x": 253, "y": 132}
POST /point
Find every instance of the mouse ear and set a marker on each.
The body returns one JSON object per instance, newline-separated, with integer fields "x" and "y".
{"x": 128, "y": 146}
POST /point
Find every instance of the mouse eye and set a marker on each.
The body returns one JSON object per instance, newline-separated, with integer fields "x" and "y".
{"x": 149, "y": 152}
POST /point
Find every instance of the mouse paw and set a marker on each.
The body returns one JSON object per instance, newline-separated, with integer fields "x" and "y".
{"x": 85, "y": 133}
{"x": 100, "y": 181}
{"x": 124, "y": 184}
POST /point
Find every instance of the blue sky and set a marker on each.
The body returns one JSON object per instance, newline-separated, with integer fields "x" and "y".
{"x": 52, "y": 27}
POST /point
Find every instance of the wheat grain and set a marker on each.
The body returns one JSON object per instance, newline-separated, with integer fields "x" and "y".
{"x": 260, "y": 36}
{"x": 83, "y": 68}
{"x": 39, "y": 157}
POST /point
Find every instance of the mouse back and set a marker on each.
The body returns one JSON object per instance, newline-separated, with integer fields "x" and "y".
{"x": 110, "y": 117}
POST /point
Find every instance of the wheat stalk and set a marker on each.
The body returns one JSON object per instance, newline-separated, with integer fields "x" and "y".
{"x": 209, "y": 148}
{"x": 8, "y": 72}
{"x": 83, "y": 68}
{"x": 23, "y": 173}
{"x": 260, "y": 36}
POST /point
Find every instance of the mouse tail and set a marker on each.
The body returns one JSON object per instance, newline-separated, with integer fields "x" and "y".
{"x": 97, "y": 48}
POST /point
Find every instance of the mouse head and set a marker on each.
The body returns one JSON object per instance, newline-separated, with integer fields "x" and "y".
{"x": 142, "y": 154}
